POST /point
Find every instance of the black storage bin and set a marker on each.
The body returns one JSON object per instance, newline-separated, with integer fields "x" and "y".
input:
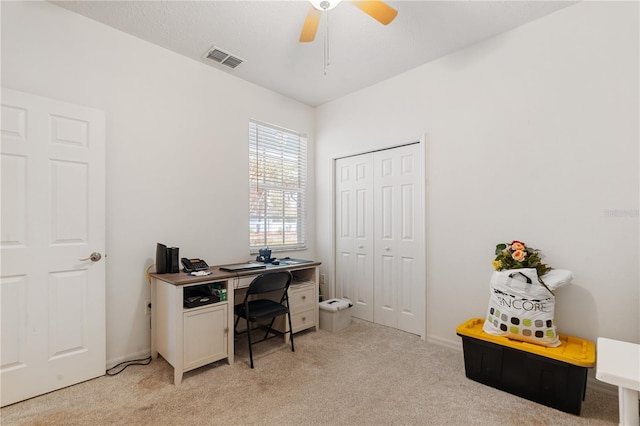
{"x": 555, "y": 377}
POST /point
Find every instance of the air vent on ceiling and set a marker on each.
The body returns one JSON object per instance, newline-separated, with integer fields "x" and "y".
{"x": 220, "y": 56}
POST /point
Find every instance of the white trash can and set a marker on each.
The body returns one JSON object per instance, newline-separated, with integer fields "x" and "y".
{"x": 335, "y": 315}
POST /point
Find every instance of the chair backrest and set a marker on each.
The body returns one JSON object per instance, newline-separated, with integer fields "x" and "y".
{"x": 270, "y": 281}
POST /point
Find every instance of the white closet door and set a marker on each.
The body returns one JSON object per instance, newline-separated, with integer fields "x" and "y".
{"x": 399, "y": 284}
{"x": 354, "y": 233}
{"x": 53, "y": 215}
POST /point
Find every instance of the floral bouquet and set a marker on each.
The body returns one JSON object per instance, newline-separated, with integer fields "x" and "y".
{"x": 516, "y": 256}
{"x": 521, "y": 310}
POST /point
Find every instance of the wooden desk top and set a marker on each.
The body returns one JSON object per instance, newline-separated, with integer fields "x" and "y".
{"x": 182, "y": 278}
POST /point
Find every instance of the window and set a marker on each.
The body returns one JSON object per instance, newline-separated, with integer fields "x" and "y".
{"x": 277, "y": 187}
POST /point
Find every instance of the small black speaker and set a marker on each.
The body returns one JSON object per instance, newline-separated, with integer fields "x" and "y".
{"x": 173, "y": 264}
{"x": 161, "y": 259}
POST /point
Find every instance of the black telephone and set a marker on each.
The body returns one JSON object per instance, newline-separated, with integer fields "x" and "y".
{"x": 191, "y": 265}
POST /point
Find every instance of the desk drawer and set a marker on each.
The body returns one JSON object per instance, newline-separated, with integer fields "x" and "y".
{"x": 301, "y": 297}
{"x": 303, "y": 320}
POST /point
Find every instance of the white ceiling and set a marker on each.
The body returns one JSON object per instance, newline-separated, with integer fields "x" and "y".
{"x": 265, "y": 35}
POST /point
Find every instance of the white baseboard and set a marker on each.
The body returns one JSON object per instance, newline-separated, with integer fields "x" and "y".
{"x": 601, "y": 386}
{"x": 451, "y": 344}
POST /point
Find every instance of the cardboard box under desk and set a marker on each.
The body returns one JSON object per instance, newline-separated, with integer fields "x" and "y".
{"x": 555, "y": 377}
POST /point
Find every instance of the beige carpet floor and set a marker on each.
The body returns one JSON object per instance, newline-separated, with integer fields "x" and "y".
{"x": 363, "y": 375}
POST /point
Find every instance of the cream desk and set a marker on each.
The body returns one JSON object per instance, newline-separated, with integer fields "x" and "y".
{"x": 188, "y": 338}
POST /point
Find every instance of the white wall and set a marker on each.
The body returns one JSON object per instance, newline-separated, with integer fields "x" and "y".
{"x": 531, "y": 135}
{"x": 173, "y": 126}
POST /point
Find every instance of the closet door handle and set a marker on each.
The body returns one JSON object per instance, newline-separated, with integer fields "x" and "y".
{"x": 387, "y": 248}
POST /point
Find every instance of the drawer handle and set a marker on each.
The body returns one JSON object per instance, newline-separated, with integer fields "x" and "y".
{"x": 304, "y": 319}
{"x": 304, "y": 297}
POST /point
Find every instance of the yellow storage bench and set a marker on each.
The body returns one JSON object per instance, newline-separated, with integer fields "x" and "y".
{"x": 555, "y": 377}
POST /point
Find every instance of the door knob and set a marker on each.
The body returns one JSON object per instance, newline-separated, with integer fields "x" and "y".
{"x": 387, "y": 248}
{"x": 95, "y": 256}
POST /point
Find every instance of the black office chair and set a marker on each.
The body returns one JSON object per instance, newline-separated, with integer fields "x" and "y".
{"x": 255, "y": 310}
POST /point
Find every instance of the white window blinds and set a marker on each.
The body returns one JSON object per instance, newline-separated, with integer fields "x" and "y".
{"x": 277, "y": 187}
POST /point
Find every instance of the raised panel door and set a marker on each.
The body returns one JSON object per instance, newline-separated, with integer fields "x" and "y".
{"x": 399, "y": 285}
{"x": 53, "y": 217}
{"x": 354, "y": 233}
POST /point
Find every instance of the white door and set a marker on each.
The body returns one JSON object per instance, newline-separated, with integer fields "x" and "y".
{"x": 354, "y": 233}
{"x": 53, "y": 215}
{"x": 399, "y": 283}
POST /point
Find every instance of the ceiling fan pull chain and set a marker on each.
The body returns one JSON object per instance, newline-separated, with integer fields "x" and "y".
{"x": 326, "y": 43}
{"x": 328, "y": 53}
{"x": 324, "y": 65}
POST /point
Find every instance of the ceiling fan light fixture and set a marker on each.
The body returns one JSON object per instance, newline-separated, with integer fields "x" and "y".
{"x": 324, "y": 4}
{"x": 377, "y": 9}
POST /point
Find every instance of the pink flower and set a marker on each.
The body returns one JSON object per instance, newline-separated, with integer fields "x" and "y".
{"x": 516, "y": 245}
{"x": 518, "y": 255}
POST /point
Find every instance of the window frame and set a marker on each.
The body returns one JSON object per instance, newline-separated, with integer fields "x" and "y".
{"x": 284, "y": 152}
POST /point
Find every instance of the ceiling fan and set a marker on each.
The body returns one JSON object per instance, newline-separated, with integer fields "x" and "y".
{"x": 377, "y": 9}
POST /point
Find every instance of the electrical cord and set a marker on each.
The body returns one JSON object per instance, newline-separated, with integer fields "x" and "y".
{"x": 144, "y": 361}
{"x": 147, "y": 273}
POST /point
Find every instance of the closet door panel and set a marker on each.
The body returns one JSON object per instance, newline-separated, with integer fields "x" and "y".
{"x": 385, "y": 292}
{"x": 343, "y": 273}
{"x": 399, "y": 288}
{"x": 386, "y": 199}
{"x": 354, "y": 239}
{"x": 343, "y": 233}
{"x": 379, "y": 237}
